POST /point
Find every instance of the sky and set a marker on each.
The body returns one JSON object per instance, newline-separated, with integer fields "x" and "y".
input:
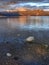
{"x": 24, "y": 0}
{"x": 26, "y": 3}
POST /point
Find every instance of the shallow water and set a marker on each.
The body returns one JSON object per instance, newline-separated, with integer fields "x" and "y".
{"x": 13, "y": 34}
{"x": 10, "y": 27}
{"x": 24, "y": 22}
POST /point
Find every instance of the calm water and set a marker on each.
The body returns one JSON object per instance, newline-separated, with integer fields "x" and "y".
{"x": 24, "y": 22}
{"x": 10, "y": 27}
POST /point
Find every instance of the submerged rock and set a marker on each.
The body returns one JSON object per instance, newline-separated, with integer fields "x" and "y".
{"x": 30, "y": 39}
{"x": 18, "y": 34}
{"x": 9, "y": 54}
{"x": 46, "y": 46}
{"x": 15, "y": 58}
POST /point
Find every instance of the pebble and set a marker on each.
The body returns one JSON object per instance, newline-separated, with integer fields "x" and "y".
{"x": 30, "y": 39}
{"x": 9, "y": 54}
{"x": 18, "y": 34}
{"x": 46, "y": 46}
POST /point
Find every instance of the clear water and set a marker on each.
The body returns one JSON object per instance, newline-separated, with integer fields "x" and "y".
{"x": 24, "y": 22}
{"x": 10, "y": 27}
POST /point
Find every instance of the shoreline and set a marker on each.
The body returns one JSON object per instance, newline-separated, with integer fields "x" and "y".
{"x": 24, "y": 12}
{"x": 23, "y": 52}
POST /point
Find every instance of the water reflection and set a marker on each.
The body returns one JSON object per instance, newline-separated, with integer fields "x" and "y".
{"x": 10, "y": 27}
{"x": 29, "y": 22}
{"x": 24, "y": 22}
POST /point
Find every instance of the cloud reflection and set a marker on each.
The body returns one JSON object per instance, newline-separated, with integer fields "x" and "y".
{"x": 29, "y": 23}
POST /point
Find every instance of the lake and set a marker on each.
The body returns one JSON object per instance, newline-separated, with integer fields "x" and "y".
{"x": 14, "y": 49}
{"x": 37, "y": 26}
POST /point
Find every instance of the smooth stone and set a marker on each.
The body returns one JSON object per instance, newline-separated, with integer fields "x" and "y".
{"x": 30, "y": 39}
{"x": 18, "y": 34}
{"x": 9, "y": 54}
{"x": 46, "y": 46}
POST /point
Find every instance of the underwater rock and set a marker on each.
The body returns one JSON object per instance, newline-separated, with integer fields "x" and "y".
{"x": 46, "y": 46}
{"x": 30, "y": 39}
{"x": 8, "y": 54}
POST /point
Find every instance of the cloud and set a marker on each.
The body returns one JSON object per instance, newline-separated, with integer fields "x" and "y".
{"x": 30, "y": 3}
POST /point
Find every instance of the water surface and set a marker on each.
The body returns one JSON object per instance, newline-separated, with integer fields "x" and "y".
{"x": 29, "y": 25}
